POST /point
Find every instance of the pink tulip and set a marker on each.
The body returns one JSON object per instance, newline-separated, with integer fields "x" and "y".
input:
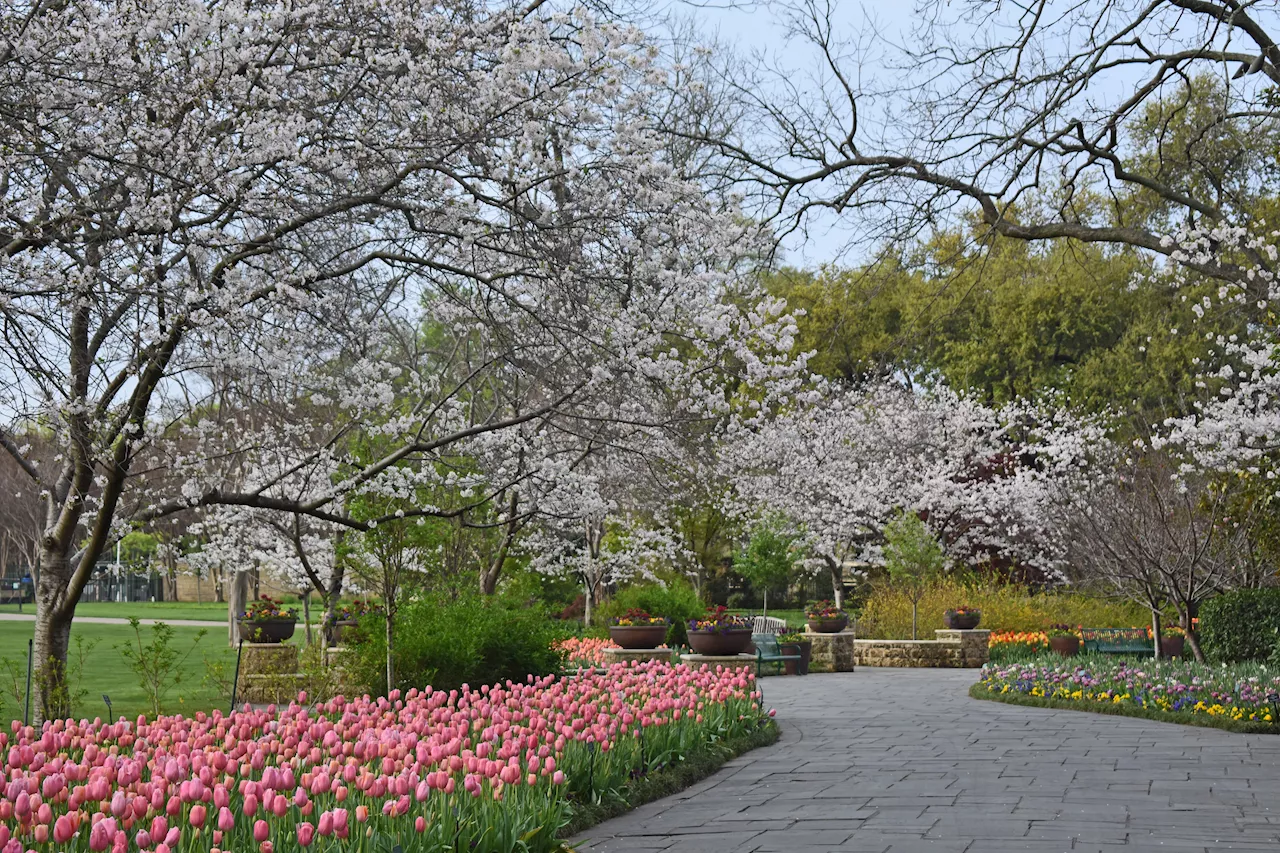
{"x": 226, "y": 820}
{"x": 250, "y": 806}
{"x": 325, "y": 827}
{"x": 172, "y": 836}
{"x": 197, "y": 818}
{"x": 142, "y": 839}
{"x": 42, "y": 833}
{"x": 162, "y": 848}
{"x": 260, "y": 831}
{"x": 63, "y": 829}
{"x": 306, "y": 834}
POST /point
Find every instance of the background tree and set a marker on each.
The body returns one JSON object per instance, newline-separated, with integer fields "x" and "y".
{"x": 770, "y": 558}
{"x": 912, "y": 557}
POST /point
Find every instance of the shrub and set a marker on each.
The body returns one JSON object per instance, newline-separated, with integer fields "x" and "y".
{"x": 887, "y": 612}
{"x": 1240, "y": 625}
{"x": 445, "y": 642}
{"x": 677, "y": 600}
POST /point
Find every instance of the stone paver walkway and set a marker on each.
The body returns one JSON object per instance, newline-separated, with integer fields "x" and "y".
{"x": 903, "y": 760}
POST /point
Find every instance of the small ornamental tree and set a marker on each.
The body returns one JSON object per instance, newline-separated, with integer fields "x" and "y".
{"x": 912, "y": 557}
{"x": 769, "y": 560}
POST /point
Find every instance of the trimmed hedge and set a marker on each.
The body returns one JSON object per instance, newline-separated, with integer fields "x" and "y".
{"x": 1242, "y": 625}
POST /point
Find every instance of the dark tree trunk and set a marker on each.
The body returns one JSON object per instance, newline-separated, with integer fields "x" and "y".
{"x": 52, "y": 639}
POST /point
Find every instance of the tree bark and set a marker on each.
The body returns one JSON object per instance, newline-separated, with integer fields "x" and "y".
{"x": 837, "y": 581}
{"x": 52, "y": 639}
{"x": 1157, "y": 638}
{"x": 236, "y": 603}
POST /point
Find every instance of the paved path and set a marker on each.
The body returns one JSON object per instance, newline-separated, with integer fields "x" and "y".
{"x": 112, "y": 620}
{"x": 903, "y": 760}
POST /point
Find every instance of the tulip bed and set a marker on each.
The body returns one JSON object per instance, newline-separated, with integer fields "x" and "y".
{"x": 584, "y": 651}
{"x": 482, "y": 770}
{"x": 1246, "y": 695}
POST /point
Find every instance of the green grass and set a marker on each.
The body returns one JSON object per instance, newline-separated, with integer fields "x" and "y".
{"x": 980, "y": 691}
{"x": 105, "y": 670}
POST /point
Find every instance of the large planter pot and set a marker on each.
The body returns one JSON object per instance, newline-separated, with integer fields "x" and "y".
{"x": 828, "y": 626}
{"x": 1173, "y": 647}
{"x": 638, "y": 636}
{"x": 790, "y": 667}
{"x": 267, "y": 630}
{"x": 962, "y": 621}
{"x": 720, "y": 643}
{"x": 1068, "y": 647}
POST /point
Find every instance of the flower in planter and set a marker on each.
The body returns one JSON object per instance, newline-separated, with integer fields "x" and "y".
{"x": 1062, "y": 630}
{"x": 353, "y": 611}
{"x": 635, "y": 617}
{"x": 267, "y": 607}
{"x": 719, "y": 620}
{"x": 792, "y": 637}
{"x": 824, "y": 610}
{"x": 964, "y": 611}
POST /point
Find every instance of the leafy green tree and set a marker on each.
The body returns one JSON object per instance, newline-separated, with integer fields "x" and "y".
{"x": 769, "y": 560}
{"x": 913, "y": 557}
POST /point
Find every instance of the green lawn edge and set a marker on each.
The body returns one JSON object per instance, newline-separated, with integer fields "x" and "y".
{"x": 980, "y": 691}
{"x": 693, "y": 769}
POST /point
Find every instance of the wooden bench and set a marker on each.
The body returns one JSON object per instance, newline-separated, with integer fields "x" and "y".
{"x": 1118, "y": 641}
{"x": 768, "y": 651}
{"x": 768, "y": 625}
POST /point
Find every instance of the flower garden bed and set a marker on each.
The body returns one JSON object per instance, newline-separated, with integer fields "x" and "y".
{"x": 1243, "y": 697}
{"x": 493, "y": 769}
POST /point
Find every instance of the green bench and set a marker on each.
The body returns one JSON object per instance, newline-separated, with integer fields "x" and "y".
{"x": 1118, "y": 641}
{"x": 768, "y": 651}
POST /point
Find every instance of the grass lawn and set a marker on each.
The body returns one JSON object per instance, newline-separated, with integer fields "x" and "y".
{"x": 190, "y": 610}
{"x": 105, "y": 670}
{"x": 795, "y": 618}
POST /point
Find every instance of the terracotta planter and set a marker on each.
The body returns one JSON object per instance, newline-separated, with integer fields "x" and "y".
{"x": 790, "y": 667}
{"x": 806, "y": 654}
{"x": 828, "y": 626}
{"x": 638, "y": 636}
{"x": 720, "y": 643}
{"x": 1174, "y": 646}
{"x": 962, "y": 621}
{"x": 1066, "y": 646}
{"x": 267, "y": 630}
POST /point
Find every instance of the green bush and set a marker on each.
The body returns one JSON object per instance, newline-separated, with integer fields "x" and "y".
{"x": 1005, "y": 607}
{"x": 446, "y": 641}
{"x": 1240, "y": 625}
{"x": 676, "y": 599}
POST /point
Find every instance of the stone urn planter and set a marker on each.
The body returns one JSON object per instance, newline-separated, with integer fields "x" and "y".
{"x": 267, "y": 630}
{"x": 962, "y": 621}
{"x": 733, "y": 641}
{"x": 1067, "y": 647}
{"x": 804, "y": 649}
{"x": 638, "y": 636}
{"x": 344, "y": 631}
{"x": 1173, "y": 645}
{"x": 806, "y": 655}
{"x": 829, "y": 626}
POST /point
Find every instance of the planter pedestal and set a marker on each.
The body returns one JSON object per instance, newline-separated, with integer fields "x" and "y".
{"x": 642, "y": 655}
{"x": 269, "y": 673}
{"x": 743, "y": 661}
{"x": 832, "y": 652}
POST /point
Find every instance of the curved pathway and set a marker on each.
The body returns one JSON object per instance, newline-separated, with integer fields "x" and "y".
{"x": 903, "y": 760}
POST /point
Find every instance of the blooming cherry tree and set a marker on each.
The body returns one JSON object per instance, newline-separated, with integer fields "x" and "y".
{"x": 412, "y": 225}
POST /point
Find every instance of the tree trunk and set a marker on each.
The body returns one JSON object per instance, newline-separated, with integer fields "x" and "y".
{"x": 306, "y": 612}
{"x": 586, "y": 610}
{"x": 52, "y": 638}
{"x": 390, "y": 622}
{"x": 236, "y": 603}
{"x": 837, "y": 581}
{"x": 915, "y": 609}
{"x": 1192, "y": 640}
{"x": 1157, "y": 639}
{"x": 334, "y": 592}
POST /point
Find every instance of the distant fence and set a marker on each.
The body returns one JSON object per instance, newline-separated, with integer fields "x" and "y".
{"x": 108, "y": 583}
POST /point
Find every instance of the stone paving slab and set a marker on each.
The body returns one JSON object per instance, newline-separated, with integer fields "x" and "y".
{"x": 903, "y": 761}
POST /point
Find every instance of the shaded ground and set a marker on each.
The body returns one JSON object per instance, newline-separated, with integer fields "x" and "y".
{"x": 903, "y": 760}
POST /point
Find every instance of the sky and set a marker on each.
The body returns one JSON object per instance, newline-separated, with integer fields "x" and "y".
{"x": 754, "y": 28}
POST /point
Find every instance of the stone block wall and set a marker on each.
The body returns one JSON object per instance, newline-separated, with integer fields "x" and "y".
{"x": 950, "y": 649}
{"x": 834, "y": 652}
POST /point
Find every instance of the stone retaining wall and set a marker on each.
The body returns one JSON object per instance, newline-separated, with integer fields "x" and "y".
{"x": 952, "y": 649}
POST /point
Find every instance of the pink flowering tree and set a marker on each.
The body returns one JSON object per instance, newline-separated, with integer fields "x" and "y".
{"x": 275, "y": 257}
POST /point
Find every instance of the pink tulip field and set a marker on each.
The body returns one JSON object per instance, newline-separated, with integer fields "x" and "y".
{"x": 491, "y": 769}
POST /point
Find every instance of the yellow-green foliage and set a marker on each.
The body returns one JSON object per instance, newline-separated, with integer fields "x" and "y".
{"x": 887, "y": 613}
